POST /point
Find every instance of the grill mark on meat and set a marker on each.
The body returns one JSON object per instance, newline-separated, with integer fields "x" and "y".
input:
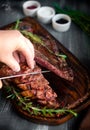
{"x": 35, "y": 87}
{"x": 28, "y": 93}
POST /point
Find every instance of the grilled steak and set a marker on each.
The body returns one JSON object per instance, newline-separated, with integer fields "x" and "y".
{"x": 46, "y": 52}
{"x": 35, "y": 87}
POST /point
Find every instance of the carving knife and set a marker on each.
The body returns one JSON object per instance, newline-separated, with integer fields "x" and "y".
{"x": 24, "y": 74}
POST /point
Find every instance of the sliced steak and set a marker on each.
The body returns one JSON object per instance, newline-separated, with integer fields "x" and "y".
{"x": 35, "y": 87}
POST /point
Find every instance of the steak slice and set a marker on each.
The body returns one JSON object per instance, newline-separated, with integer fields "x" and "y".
{"x": 64, "y": 72}
{"x": 35, "y": 87}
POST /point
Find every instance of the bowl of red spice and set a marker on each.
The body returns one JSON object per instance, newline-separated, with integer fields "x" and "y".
{"x": 30, "y": 8}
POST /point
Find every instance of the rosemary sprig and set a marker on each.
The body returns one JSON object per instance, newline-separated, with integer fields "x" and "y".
{"x": 16, "y": 27}
{"x": 36, "y": 110}
{"x": 37, "y": 39}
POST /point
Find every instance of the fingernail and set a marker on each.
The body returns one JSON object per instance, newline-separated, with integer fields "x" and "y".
{"x": 16, "y": 69}
{"x": 0, "y": 84}
{"x": 32, "y": 65}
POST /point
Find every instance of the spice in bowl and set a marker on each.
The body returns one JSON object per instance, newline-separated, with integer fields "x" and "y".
{"x": 45, "y": 14}
{"x": 61, "y": 22}
{"x": 31, "y": 7}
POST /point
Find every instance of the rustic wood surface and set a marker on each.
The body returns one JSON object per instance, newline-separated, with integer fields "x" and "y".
{"x": 74, "y": 40}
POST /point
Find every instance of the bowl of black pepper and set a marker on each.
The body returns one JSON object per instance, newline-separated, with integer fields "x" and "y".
{"x": 61, "y": 22}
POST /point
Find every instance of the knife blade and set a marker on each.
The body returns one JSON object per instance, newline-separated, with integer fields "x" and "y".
{"x": 24, "y": 74}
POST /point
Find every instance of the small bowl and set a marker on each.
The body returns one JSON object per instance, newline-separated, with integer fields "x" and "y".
{"x": 61, "y": 22}
{"x": 45, "y": 14}
{"x": 31, "y": 7}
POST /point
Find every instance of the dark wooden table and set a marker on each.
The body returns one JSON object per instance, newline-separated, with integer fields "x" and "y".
{"x": 74, "y": 39}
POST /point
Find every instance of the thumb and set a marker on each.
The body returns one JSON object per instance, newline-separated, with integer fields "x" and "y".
{"x": 0, "y": 84}
{"x": 12, "y": 63}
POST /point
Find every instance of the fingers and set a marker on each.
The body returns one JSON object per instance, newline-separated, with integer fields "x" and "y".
{"x": 15, "y": 54}
{"x": 12, "y": 63}
{"x": 0, "y": 84}
{"x": 31, "y": 47}
{"x": 27, "y": 50}
{"x": 32, "y": 54}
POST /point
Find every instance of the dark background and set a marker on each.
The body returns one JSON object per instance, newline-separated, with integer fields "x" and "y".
{"x": 75, "y": 40}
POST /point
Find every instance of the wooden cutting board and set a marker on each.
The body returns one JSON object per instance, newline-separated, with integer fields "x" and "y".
{"x": 76, "y": 94}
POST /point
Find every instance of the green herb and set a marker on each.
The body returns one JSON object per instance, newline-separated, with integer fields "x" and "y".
{"x": 63, "y": 56}
{"x": 28, "y": 105}
{"x": 32, "y": 36}
{"x": 38, "y": 40}
{"x": 16, "y": 27}
{"x": 79, "y": 18}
